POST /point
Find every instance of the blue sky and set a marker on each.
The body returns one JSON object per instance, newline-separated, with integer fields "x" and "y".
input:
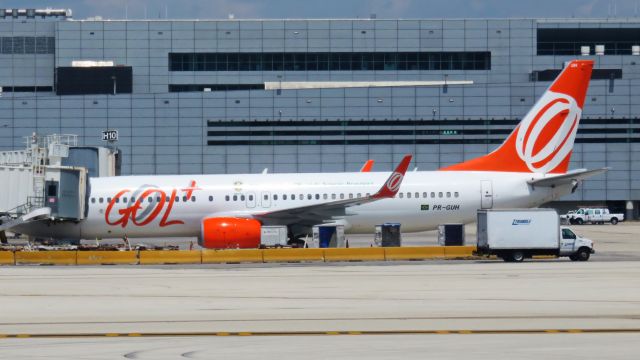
{"x": 216, "y": 9}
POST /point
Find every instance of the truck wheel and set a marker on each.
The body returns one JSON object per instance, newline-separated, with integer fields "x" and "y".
{"x": 583, "y": 254}
{"x": 579, "y": 221}
{"x": 614, "y": 221}
{"x": 517, "y": 256}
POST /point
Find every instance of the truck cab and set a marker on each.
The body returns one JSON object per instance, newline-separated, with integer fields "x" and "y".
{"x": 576, "y": 247}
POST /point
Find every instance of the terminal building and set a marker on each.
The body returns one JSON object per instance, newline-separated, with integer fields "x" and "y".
{"x": 229, "y": 96}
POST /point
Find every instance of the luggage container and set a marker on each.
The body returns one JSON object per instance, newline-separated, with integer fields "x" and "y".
{"x": 451, "y": 234}
{"x": 388, "y": 235}
{"x": 273, "y": 236}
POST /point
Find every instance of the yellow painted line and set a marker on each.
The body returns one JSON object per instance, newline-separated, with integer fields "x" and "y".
{"x": 325, "y": 333}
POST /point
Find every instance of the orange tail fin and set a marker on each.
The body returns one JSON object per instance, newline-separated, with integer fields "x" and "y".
{"x": 543, "y": 141}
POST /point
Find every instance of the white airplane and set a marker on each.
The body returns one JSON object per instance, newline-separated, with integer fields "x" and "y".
{"x": 227, "y": 211}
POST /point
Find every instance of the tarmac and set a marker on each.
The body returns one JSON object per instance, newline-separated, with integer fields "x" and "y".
{"x": 440, "y": 309}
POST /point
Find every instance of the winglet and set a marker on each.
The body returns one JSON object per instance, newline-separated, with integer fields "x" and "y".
{"x": 392, "y": 185}
{"x": 367, "y": 166}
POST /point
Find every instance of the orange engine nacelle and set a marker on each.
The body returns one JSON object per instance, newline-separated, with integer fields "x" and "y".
{"x": 230, "y": 233}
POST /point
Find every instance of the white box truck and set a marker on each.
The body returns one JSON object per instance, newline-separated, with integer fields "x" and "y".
{"x": 516, "y": 234}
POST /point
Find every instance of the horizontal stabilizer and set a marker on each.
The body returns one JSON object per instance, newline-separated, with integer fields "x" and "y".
{"x": 567, "y": 178}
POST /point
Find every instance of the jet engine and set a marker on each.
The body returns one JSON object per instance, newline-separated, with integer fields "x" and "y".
{"x": 230, "y": 233}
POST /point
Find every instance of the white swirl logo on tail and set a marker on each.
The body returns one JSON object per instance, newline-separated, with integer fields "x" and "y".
{"x": 393, "y": 184}
{"x": 548, "y": 156}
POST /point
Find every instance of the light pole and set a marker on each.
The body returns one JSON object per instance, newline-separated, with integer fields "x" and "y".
{"x": 113, "y": 77}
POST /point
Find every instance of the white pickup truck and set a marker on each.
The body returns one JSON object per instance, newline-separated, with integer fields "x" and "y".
{"x": 593, "y": 216}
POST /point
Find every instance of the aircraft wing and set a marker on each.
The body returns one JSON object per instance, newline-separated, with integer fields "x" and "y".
{"x": 316, "y": 213}
{"x": 572, "y": 177}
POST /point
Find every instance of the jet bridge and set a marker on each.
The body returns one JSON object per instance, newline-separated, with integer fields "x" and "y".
{"x": 49, "y": 178}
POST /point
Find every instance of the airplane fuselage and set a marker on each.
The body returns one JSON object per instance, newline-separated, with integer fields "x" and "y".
{"x": 175, "y": 205}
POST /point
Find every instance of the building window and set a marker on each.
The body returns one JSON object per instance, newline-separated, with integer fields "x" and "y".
{"x": 331, "y": 61}
{"x": 27, "y": 45}
{"x": 569, "y": 41}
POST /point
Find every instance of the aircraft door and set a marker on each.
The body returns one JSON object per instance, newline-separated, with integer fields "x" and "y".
{"x": 265, "y": 199}
{"x": 567, "y": 243}
{"x": 251, "y": 200}
{"x": 486, "y": 193}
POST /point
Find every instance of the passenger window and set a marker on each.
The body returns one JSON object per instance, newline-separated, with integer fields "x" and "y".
{"x": 417, "y": 195}
{"x": 350, "y": 196}
{"x": 341, "y": 196}
{"x": 193, "y": 199}
{"x": 177, "y": 199}
{"x": 284, "y": 197}
{"x": 325, "y": 196}
{"x": 275, "y": 197}
{"x": 117, "y": 200}
{"x": 235, "y": 197}
{"x": 184, "y": 199}
{"x": 226, "y": 197}
{"x": 448, "y": 194}
{"x": 266, "y": 196}
{"x": 401, "y": 195}
{"x": 424, "y": 195}
{"x": 440, "y": 194}
{"x": 333, "y": 196}
{"x": 359, "y": 195}
{"x": 309, "y": 196}
{"x": 301, "y": 197}
{"x": 408, "y": 195}
{"x": 210, "y": 198}
{"x": 150, "y": 199}
{"x": 133, "y": 199}
{"x": 100, "y": 200}
{"x": 293, "y": 196}
{"x": 250, "y": 197}
{"x": 456, "y": 194}
{"x": 93, "y": 200}
{"x": 433, "y": 194}
{"x": 242, "y": 198}
{"x": 317, "y": 196}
